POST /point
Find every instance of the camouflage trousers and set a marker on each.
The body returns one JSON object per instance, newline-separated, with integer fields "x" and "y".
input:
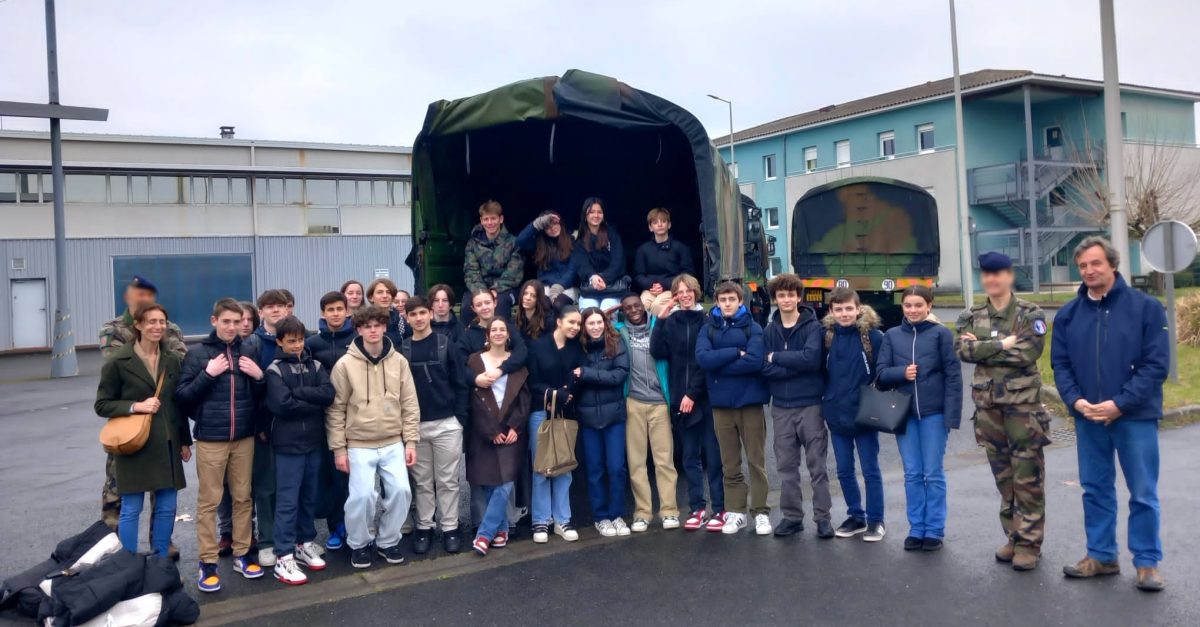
{"x": 1013, "y": 437}
{"x": 110, "y": 499}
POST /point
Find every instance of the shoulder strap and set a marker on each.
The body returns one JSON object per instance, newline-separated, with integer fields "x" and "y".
{"x": 406, "y": 348}
{"x": 158, "y": 389}
{"x": 443, "y": 347}
{"x": 864, "y": 335}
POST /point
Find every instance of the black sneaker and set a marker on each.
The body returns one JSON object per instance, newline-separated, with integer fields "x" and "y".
{"x": 931, "y": 544}
{"x": 913, "y": 544}
{"x": 392, "y": 554}
{"x": 421, "y": 541}
{"x": 824, "y": 529}
{"x": 361, "y": 558}
{"x": 788, "y": 526}
{"x": 851, "y": 527}
{"x": 875, "y": 532}
{"x": 451, "y": 541}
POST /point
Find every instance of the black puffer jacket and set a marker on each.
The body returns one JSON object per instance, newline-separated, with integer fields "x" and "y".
{"x": 121, "y": 576}
{"x": 223, "y": 407}
{"x": 328, "y": 346}
{"x": 600, "y": 393}
{"x": 674, "y": 340}
{"x": 298, "y": 391}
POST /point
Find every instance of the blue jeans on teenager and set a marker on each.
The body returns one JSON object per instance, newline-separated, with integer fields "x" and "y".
{"x": 162, "y": 521}
{"x": 867, "y": 443}
{"x": 608, "y": 476}
{"x": 297, "y": 485}
{"x": 922, "y": 447}
{"x": 551, "y": 498}
{"x": 702, "y": 463}
{"x": 1135, "y": 443}
{"x": 495, "y": 513}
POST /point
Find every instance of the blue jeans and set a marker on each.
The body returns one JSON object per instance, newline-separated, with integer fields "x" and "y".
{"x": 297, "y": 483}
{"x": 162, "y": 521}
{"x": 702, "y": 463}
{"x": 867, "y": 444}
{"x": 1135, "y": 443}
{"x": 495, "y": 515}
{"x": 551, "y": 498}
{"x": 922, "y": 447}
{"x": 604, "y": 460}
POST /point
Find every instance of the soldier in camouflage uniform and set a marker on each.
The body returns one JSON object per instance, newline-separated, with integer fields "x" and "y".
{"x": 113, "y": 335}
{"x": 1004, "y": 338}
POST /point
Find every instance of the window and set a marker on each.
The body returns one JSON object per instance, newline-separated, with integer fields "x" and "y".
{"x": 925, "y": 138}
{"x": 364, "y": 192}
{"x": 346, "y": 193}
{"x": 293, "y": 191}
{"x": 381, "y": 192}
{"x": 887, "y": 145}
{"x": 47, "y": 188}
{"x": 166, "y": 190}
{"x": 89, "y": 188}
{"x": 321, "y": 191}
{"x": 239, "y": 191}
{"x": 810, "y": 159}
{"x": 776, "y": 266}
{"x": 8, "y": 187}
{"x": 400, "y": 193}
{"x": 769, "y": 167}
{"x": 139, "y": 189}
{"x": 220, "y": 191}
{"x": 197, "y": 193}
{"x": 772, "y": 217}
{"x": 842, "y": 150}
{"x": 323, "y": 221}
{"x": 274, "y": 194}
{"x": 208, "y": 277}
{"x": 118, "y": 189}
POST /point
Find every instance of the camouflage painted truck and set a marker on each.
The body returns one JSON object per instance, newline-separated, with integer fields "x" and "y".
{"x": 549, "y": 143}
{"x": 876, "y": 235}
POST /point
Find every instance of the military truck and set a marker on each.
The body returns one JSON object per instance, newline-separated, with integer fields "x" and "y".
{"x": 876, "y": 235}
{"x": 547, "y": 144}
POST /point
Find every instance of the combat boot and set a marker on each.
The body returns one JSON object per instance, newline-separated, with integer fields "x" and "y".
{"x": 1025, "y": 561}
{"x": 1005, "y": 553}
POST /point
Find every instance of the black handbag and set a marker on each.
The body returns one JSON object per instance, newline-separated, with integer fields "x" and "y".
{"x": 882, "y": 410}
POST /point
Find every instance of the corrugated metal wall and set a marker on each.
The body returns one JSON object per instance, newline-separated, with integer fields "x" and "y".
{"x": 308, "y": 266}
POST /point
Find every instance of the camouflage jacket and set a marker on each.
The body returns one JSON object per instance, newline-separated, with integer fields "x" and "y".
{"x": 1003, "y": 377}
{"x": 495, "y": 264}
{"x": 119, "y": 331}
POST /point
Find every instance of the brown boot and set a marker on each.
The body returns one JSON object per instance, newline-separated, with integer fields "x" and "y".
{"x": 1024, "y": 561}
{"x": 1005, "y": 553}
{"x": 1088, "y": 567}
{"x": 1150, "y": 580}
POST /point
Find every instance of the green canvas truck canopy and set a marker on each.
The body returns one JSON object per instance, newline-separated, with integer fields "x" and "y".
{"x": 547, "y": 144}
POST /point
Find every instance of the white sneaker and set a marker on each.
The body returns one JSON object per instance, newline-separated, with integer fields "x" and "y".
{"x": 287, "y": 571}
{"x": 266, "y": 558}
{"x": 762, "y": 525}
{"x": 308, "y": 555}
{"x": 621, "y": 527}
{"x": 733, "y": 523}
{"x": 670, "y": 522}
{"x": 566, "y": 532}
{"x": 639, "y": 525}
{"x": 606, "y": 528}
{"x": 541, "y": 534}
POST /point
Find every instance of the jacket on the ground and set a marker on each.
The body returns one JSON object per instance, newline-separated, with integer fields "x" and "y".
{"x": 661, "y": 263}
{"x": 1114, "y": 349}
{"x": 938, "y": 388}
{"x": 600, "y": 392}
{"x": 673, "y": 339}
{"x": 327, "y": 347}
{"x": 375, "y": 401}
{"x": 608, "y": 262}
{"x": 551, "y": 367}
{"x": 223, "y": 407}
{"x": 438, "y": 375}
{"x": 495, "y": 264}
{"x": 557, "y": 271}
{"x": 731, "y": 352}
{"x": 298, "y": 391}
{"x": 793, "y": 373}
{"x": 848, "y": 367}
{"x": 124, "y": 586}
{"x": 124, "y": 380}
{"x": 491, "y": 464}
{"x": 22, "y": 592}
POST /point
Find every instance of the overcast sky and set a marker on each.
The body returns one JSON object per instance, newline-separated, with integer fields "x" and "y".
{"x": 362, "y": 71}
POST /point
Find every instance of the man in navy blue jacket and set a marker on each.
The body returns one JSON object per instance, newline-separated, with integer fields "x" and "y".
{"x": 1110, "y": 356}
{"x": 793, "y": 340}
{"x": 730, "y": 351}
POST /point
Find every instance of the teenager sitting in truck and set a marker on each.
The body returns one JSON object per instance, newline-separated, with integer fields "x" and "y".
{"x": 659, "y": 261}
{"x": 600, "y": 258}
{"x": 547, "y": 241}
{"x": 491, "y": 261}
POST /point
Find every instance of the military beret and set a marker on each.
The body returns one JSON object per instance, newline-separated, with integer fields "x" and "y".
{"x": 143, "y": 283}
{"x": 994, "y": 262}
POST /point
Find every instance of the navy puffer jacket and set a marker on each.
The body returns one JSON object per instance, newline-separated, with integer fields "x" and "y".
{"x": 600, "y": 394}
{"x": 734, "y": 379}
{"x": 223, "y": 407}
{"x": 298, "y": 391}
{"x": 938, "y": 388}
{"x": 327, "y": 347}
{"x": 794, "y": 372}
{"x": 847, "y": 369}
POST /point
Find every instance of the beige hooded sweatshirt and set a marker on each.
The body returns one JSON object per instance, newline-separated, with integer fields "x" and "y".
{"x": 376, "y": 401}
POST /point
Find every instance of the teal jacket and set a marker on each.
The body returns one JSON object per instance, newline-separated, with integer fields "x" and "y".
{"x": 659, "y": 364}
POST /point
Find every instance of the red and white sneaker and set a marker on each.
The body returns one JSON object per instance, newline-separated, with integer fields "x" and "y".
{"x": 480, "y": 546}
{"x": 716, "y": 523}
{"x": 695, "y": 520}
{"x": 501, "y": 540}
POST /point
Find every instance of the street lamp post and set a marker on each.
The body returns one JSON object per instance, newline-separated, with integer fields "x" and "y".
{"x": 732, "y": 158}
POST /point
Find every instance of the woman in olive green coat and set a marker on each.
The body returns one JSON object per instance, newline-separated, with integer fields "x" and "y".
{"x": 127, "y": 386}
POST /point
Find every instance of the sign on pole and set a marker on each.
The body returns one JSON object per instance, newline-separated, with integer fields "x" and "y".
{"x": 1169, "y": 247}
